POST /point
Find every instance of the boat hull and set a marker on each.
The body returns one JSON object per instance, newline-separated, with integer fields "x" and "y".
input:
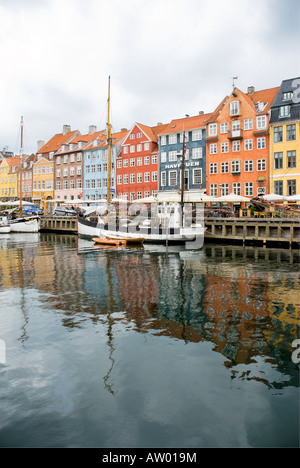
{"x": 89, "y": 229}
{"x": 4, "y": 229}
{"x": 25, "y": 225}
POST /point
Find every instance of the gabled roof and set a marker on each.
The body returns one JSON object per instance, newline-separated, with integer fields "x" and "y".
{"x": 186, "y": 123}
{"x": 116, "y": 137}
{"x": 265, "y": 96}
{"x": 88, "y": 138}
{"x": 55, "y": 143}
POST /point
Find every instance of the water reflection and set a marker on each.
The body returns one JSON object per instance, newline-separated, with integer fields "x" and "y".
{"x": 243, "y": 300}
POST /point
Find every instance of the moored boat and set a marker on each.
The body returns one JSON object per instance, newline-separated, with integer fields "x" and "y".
{"x": 25, "y": 224}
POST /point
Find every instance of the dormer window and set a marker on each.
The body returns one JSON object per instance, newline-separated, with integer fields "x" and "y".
{"x": 287, "y": 96}
{"x": 235, "y": 108}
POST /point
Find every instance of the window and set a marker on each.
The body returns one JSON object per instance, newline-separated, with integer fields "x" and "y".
{"x": 72, "y": 184}
{"x": 261, "y": 143}
{"x": 79, "y": 156}
{"x": 139, "y": 177}
{"x": 147, "y": 160}
{"x": 235, "y": 108}
{"x": 197, "y": 176}
{"x": 284, "y": 111}
{"x": 261, "y": 122}
{"x": 163, "y": 157}
{"x": 163, "y": 140}
{"x": 213, "y": 148}
{"x": 79, "y": 185}
{"x": 291, "y": 187}
{"x": 139, "y": 148}
{"x": 154, "y": 158}
{"x": 277, "y": 134}
{"x": 125, "y": 179}
{"x": 248, "y": 124}
{"x": 278, "y": 160}
{"x": 291, "y": 132}
{"x": 248, "y": 145}
{"x": 65, "y": 172}
{"x": 224, "y": 127}
{"x": 248, "y": 189}
{"x": 78, "y": 170}
{"x": 212, "y": 129}
{"x": 172, "y": 178}
{"x": 197, "y": 153}
{"x": 119, "y": 163}
{"x": 236, "y": 125}
{"x": 172, "y": 155}
{"x": 291, "y": 159}
{"x": 213, "y": 190}
{"x": 65, "y": 184}
{"x": 154, "y": 176}
{"x": 139, "y": 161}
{"x": 235, "y": 166}
{"x": 132, "y": 148}
{"x": 236, "y": 188}
{"x": 163, "y": 179}
{"x": 72, "y": 171}
{"x": 172, "y": 138}
{"x": 132, "y": 178}
{"x": 213, "y": 168}
{"x": 132, "y": 136}
{"x": 119, "y": 179}
{"x": 287, "y": 96}
{"x": 224, "y": 167}
{"x": 147, "y": 177}
{"x": 186, "y": 137}
{"x": 66, "y": 159}
{"x": 125, "y": 163}
{"x": 261, "y": 164}
{"x": 139, "y": 135}
{"x": 139, "y": 195}
{"x": 224, "y": 189}
{"x": 58, "y": 173}
{"x": 132, "y": 162}
{"x": 58, "y": 160}
{"x": 224, "y": 147}
{"x": 132, "y": 196}
{"x": 125, "y": 149}
{"x": 278, "y": 187}
{"x": 196, "y": 135}
{"x": 236, "y": 146}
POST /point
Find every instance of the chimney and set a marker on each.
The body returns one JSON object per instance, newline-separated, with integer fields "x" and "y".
{"x": 250, "y": 90}
{"x": 123, "y": 129}
{"x": 159, "y": 123}
{"x": 201, "y": 112}
{"x": 66, "y": 129}
{"x": 92, "y": 129}
{"x": 40, "y": 144}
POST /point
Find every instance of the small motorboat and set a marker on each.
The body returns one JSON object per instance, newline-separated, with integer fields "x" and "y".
{"x": 106, "y": 241}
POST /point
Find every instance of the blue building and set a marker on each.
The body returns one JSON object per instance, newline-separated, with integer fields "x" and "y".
{"x": 171, "y": 147}
{"x": 95, "y": 166}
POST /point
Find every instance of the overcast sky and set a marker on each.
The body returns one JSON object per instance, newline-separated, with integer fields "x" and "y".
{"x": 166, "y": 58}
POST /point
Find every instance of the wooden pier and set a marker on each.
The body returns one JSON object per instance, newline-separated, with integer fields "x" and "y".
{"x": 268, "y": 231}
{"x": 63, "y": 224}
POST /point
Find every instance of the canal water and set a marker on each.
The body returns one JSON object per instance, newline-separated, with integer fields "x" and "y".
{"x": 147, "y": 347}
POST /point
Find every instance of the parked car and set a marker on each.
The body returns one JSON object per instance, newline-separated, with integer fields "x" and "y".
{"x": 64, "y": 211}
{"x": 32, "y": 210}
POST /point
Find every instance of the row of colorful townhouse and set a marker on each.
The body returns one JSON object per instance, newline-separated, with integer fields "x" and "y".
{"x": 249, "y": 145}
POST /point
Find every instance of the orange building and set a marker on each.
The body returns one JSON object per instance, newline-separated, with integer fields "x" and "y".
{"x": 237, "y": 144}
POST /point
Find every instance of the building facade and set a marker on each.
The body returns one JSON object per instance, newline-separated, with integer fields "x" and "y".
{"x": 186, "y": 136}
{"x": 237, "y": 144}
{"x": 137, "y": 165}
{"x": 9, "y": 178}
{"x": 285, "y": 139}
{"x": 95, "y": 166}
{"x": 68, "y": 167}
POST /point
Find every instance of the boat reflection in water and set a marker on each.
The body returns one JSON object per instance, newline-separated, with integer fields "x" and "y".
{"x": 148, "y": 346}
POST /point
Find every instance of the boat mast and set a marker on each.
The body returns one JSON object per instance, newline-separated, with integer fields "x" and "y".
{"x": 109, "y": 142}
{"x": 21, "y": 167}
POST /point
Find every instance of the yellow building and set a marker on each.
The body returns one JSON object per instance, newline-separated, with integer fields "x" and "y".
{"x": 9, "y": 178}
{"x": 42, "y": 180}
{"x": 285, "y": 140}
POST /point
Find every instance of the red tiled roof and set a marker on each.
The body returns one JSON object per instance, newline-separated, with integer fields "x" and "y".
{"x": 57, "y": 141}
{"x": 186, "y": 123}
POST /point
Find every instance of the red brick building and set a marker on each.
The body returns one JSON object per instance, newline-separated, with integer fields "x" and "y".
{"x": 137, "y": 166}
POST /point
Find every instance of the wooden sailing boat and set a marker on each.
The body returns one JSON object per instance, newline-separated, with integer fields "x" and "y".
{"x": 22, "y": 223}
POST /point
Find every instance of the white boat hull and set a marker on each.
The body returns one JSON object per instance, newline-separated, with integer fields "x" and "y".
{"x": 4, "y": 229}
{"x": 25, "y": 225}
